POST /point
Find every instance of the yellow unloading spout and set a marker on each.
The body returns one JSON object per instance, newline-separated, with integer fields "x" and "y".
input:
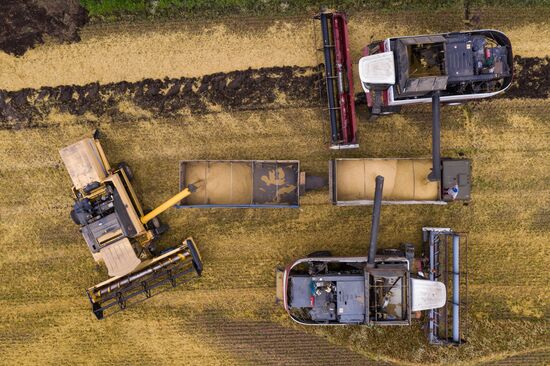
{"x": 166, "y": 205}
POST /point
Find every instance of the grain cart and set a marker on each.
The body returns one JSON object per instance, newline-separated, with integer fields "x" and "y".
{"x": 242, "y": 183}
{"x": 408, "y": 181}
{"x": 338, "y": 77}
{"x": 460, "y": 66}
{"x": 386, "y": 288}
{"x": 119, "y": 233}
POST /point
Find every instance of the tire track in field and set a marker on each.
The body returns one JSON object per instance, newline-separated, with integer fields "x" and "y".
{"x": 264, "y": 88}
{"x": 267, "y": 343}
{"x": 533, "y": 357}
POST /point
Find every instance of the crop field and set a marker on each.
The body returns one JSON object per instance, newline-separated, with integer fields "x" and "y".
{"x": 161, "y": 91}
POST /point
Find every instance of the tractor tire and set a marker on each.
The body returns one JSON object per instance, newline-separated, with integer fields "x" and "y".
{"x": 161, "y": 229}
{"x": 374, "y": 47}
{"x": 74, "y": 217}
{"x": 320, "y": 253}
{"x": 387, "y": 110}
{"x": 372, "y": 117}
{"x": 124, "y": 166}
{"x": 152, "y": 249}
{"x": 154, "y": 222}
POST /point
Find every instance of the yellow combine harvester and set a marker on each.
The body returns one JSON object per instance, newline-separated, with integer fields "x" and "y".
{"x": 118, "y": 231}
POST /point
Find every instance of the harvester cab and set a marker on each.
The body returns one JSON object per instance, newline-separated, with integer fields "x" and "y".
{"x": 119, "y": 233}
{"x": 390, "y": 287}
{"x": 398, "y": 71}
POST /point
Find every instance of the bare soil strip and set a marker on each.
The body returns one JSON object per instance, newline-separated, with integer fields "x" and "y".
{"x": 265, "y": 88}
{"x": 532, "y": 78}
{"x": 238, "y": 90}
{"x": 24, "y": 23}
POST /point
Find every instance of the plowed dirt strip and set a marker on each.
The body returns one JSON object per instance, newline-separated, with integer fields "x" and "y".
{"x": 238, "y": 90}
{"x": 131, "y": 52}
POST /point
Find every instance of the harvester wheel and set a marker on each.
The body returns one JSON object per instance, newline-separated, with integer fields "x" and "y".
{"x": 74, "y": 217}
{"x": 386, "y": 110}
{"x": 320, "y": 253}
{"x": 161, "y": 229}
{"x": 124, "y": 166}
{"x": 90, "y": 187}
{"x": 374, "y": 47}
{"x": 392, "y": 252}
{"x": 155, "y": 222}
{"x": 157, "y": 226}
{"x": 195, "y": 257}
{"x": 372, "y": 117}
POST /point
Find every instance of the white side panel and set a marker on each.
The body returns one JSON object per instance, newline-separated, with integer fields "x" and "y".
{"x": 377, "y": 69}
{"x": 427, "y": 294}
{"x": 120, "y": 258}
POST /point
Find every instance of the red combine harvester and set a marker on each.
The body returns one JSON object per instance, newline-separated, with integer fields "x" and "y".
{"x": 397, "y": 71}
{"x": 338, "y": 80}
{"x": 461, "y": 66}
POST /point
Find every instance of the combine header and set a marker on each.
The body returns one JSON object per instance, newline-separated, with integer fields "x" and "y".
{"x": 398, "y": 71}
{"x": 386, "y": 288}
{"x": 338, "y": 80}
{"x": 120, "y": 234}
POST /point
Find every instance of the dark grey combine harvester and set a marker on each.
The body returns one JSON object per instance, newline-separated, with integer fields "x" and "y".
{"x": 386, "y": 288}
{"x": 461, "y": 66}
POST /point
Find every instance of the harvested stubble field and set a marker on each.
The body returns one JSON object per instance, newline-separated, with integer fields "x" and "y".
{"x": 229, "y": 316}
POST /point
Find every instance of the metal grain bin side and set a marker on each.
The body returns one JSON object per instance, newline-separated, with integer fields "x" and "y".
{"x": 350, "y": 181}
{"x": 241, "y": 183}
{"x": 332, "y": 181}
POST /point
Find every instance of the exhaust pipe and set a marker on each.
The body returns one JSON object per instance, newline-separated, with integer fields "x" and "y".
{"x": 435, "y": 175}
{"x": 375, "y": 218}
